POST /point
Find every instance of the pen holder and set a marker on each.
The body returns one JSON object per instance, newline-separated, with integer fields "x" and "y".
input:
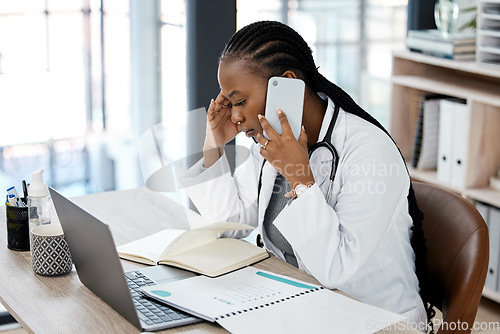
{"x": 17, "y": 228}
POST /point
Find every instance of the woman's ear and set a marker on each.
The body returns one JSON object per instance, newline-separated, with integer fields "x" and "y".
{"x": 289, "y": 74}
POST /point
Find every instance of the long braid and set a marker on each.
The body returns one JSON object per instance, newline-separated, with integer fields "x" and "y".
{"x": 418, "y": 239}
{"x": 278, "y": 48}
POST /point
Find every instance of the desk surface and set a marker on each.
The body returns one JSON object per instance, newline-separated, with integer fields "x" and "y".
{"x": 63, "y": 304}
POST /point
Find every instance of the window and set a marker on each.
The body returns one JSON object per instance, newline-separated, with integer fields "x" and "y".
{"x": 64, "y": 75}
{"x": 351, "y": 41}
{"x": 173, "y": 65}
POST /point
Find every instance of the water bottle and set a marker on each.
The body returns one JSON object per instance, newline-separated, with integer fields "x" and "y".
{"x": 38, "y": 202}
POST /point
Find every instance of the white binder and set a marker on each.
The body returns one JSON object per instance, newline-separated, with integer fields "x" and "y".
{"x": 484, "y": 210}
{"x": 445, "y": 141}
{"x": 460, "y": 146}
{"x": 454, "y": 124}
{"x": 494, "y": 231}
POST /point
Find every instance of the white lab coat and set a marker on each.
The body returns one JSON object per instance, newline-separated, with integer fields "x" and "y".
{"x": 359, "y": 242}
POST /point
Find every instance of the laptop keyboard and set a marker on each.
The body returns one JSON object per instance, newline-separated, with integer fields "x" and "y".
{"x": 150, "y": 312}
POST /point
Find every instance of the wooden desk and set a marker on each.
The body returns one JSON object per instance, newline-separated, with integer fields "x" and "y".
{"x": 64, "y": 305}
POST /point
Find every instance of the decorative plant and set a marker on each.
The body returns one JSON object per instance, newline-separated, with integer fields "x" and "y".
{"x": 473, "y": 22}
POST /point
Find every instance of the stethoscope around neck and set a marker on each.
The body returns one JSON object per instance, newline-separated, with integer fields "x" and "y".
{"x": 326, "y": 143}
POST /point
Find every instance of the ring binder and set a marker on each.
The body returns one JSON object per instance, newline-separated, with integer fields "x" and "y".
{"x": 239, "y": 299}
{"x": 267, "y": 304}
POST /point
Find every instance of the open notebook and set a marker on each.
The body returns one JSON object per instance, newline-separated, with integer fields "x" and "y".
{"x": 199, "y": 250}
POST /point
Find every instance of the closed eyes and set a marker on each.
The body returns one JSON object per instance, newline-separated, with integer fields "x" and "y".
{"x": 239, "y": 104}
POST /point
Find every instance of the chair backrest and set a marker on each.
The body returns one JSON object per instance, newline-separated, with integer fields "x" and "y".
{"x": 457, "y": 254}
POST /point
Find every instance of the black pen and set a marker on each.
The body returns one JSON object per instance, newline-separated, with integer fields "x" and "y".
{"x": 25, "y": 192}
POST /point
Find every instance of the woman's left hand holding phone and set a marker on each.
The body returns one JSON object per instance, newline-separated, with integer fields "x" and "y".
{"x": 220, "y": 129}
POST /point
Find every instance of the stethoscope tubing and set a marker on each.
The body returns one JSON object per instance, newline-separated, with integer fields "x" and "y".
{"x": 327, "y": 143}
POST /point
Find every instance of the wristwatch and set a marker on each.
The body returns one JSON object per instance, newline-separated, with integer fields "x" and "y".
{"x": 300, "y": 189}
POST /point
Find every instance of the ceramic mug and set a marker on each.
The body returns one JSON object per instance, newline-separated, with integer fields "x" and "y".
{"x": 50, "y": 251}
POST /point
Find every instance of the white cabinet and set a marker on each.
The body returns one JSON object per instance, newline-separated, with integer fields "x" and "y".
{"x": 488, "y": 32}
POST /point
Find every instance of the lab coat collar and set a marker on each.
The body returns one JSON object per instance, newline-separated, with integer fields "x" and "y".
{"x": 339, "y": 130}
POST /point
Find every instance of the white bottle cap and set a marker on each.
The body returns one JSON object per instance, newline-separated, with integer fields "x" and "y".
{"x": 37, "y": 187}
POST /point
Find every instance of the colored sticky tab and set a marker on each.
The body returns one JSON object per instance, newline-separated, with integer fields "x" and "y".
{"x": 161, "y": 293}
{"x": 286, "y": 281}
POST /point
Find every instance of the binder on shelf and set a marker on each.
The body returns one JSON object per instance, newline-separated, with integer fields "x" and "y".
{"x": 492, "y": 279}
{"x": 454, "y": 124}
{"x": 460, "y": 144}
{"x": 484, "y": 210}
{"x": 445, "y": 143}
{"x": 417, "y": 142}
{"x": 425, "y": 149}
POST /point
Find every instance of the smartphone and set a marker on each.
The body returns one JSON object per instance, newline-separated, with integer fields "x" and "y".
{"x": 288, "y": 95}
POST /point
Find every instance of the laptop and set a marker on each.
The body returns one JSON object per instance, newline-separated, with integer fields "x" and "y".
{"x": 99, "y": 268}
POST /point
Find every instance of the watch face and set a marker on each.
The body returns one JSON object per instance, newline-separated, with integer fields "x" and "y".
{"x": 300, "y": 189}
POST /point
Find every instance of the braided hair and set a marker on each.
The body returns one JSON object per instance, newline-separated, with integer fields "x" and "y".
{"x": 276, "y": 47}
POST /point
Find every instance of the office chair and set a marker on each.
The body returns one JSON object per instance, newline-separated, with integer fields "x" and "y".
{"x": 457, "y": 254}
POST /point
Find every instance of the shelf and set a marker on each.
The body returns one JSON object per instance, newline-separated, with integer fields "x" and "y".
{"x": 479, "y": 92}
{"x": 415, "y": 75}
{"x": 430, "y": 176}
{"x": 489, "y": 16}
{"x": 487, "y": 195}
{"x": 490, "y": 294}
{"x": 489, "y": 49}
{"x": 462, "y": 66}
{"x": 490, "y": 32}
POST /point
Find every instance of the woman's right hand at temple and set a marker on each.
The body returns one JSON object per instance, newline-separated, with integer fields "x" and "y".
{"x": 220, "y": 129}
